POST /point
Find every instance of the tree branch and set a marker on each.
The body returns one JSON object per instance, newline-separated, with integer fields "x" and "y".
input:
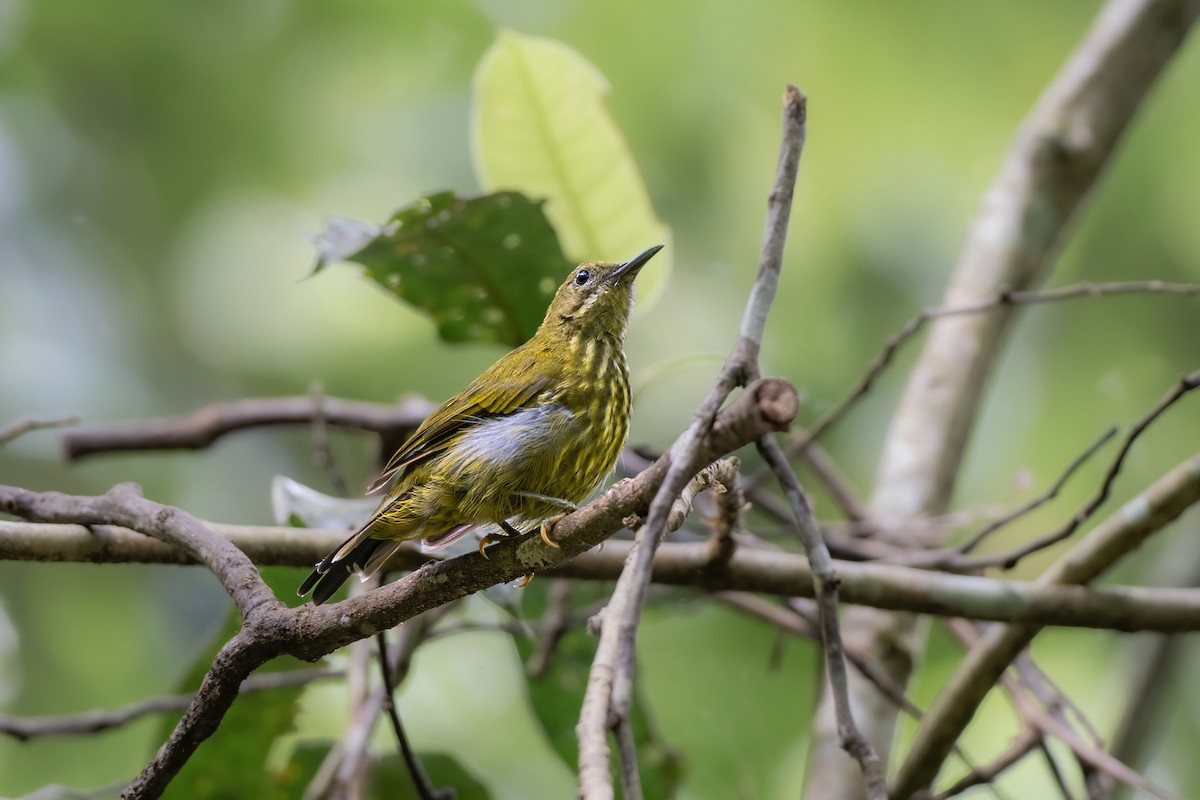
{"x": 878, "y": 585}
{"x": 201, "y": 428}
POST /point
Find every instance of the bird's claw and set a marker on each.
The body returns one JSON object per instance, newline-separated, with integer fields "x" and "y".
{"x": 548, "y": 528}
{"x": 491, "y": 538}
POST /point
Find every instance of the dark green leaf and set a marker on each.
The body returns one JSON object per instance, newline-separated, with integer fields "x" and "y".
{"x": 484, "y": 268}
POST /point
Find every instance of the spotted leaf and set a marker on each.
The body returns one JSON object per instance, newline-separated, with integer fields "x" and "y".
{"x": 485, "y": 268}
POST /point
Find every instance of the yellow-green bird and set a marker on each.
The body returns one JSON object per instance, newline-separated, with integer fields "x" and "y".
{"x": 526, "y": 441}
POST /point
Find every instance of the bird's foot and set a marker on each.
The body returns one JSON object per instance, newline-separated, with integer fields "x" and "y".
{"x": 548, "y": 528}
{"x": 492, "y": 538}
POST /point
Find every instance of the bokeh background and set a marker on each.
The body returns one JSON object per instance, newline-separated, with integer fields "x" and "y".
{"x": 162, "y": 167}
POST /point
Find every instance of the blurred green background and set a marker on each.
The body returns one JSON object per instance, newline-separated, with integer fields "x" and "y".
{"x": 163, "y": 165}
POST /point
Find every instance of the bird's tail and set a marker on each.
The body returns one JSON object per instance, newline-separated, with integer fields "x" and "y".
{"x": 360, "y": 553}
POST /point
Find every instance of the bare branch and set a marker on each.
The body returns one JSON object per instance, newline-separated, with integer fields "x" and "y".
{"x": 89, "y": 722}
{"x": 1185, "y": 384}
{"x": 22, "y": 426}
{"x": 825, "y": 587}
{"x": 886, "y": 586}
{"x": 124, "y": 505}
{"x": 203, "y": 427}
{"x": 1039, "y": 501}
{"x": 803, "y": 440}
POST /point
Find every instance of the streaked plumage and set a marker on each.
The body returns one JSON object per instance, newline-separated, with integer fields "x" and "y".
{"x": 535, "y": 433}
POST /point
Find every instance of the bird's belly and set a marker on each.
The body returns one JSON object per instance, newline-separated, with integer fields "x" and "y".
{"x": 548, "y": 450}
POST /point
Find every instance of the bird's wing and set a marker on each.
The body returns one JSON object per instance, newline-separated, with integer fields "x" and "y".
{"x": 507, "y": 386}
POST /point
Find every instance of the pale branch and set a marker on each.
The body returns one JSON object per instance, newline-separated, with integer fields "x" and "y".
{"x": 1107, "y": 543}
{"x": 719, "y": 476}
{"x": 726, "y": 520}
{"x": 878, "y": 585}
{"x": 363, "y": 706}
{"x": 201, "y": 428}
{"x": 20, "y": 427}
{"x": 309, "y": 632}
{"x": 86, "y": 723}
{"x": 1052, "y": 166}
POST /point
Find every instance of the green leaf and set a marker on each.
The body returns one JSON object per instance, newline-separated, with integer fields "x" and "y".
{"x": 540, "y": 126}
{"x": 558, "y": 695}
{"x": 484, "y": 268}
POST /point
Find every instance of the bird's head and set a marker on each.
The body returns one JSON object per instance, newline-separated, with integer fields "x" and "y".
{"x": 597, "y": 297}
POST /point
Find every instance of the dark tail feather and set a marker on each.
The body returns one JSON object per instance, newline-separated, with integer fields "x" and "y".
{"x": 332, "y": 571}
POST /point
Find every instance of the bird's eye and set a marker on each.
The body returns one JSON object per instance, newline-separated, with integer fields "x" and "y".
{"x": 582, "y": 277}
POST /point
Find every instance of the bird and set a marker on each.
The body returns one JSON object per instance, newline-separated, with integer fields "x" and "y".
{"x": 523, "y": 444}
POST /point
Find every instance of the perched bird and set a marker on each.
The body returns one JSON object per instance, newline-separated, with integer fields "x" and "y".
{"x": 526, "y": 441}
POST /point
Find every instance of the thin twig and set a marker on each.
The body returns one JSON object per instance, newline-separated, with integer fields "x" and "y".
{"x": 1025, "y": 742}
{"x": 20, "y": 427}
{"x": 322, "y": 451}
{"x": 825, "y": 587}
{"x": 24, "y": 729}
{"x": 803, "y": 439}
{"x": 1037, "y": 502}
{"x": 421, "y": 783}
{"x": 1009, "y": 560}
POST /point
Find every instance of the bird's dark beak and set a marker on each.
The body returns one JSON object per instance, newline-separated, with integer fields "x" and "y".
{"x": 633, "y": 265}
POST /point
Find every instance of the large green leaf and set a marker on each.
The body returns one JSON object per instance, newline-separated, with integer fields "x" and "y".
{"x": 539, "y": 126}
{"x": 484, "y": 268}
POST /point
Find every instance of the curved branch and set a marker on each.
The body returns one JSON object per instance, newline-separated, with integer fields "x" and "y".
{"x": 124, "y": 505}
